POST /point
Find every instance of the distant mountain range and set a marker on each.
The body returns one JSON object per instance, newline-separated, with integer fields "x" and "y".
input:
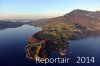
{"x": 10, "y": 24}
{"x": 75, "y": 20}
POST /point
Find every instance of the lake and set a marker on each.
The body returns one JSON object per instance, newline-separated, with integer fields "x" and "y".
{"x": 14, "y": 40}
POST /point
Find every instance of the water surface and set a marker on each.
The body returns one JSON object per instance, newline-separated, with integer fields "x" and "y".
{"x": 14, "y": 40}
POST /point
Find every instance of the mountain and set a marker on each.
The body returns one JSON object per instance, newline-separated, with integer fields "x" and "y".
{"x": 56, "y": 31}
{"x": 77, "y": 23}
{"x": 88, "y": 19}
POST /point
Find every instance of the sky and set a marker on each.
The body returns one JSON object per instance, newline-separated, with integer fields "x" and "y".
{"x": 35, "y": 9}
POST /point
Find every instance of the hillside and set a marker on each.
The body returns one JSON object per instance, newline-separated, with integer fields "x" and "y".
{"x": 43, "y": 43}
{"x": 56, "y": 31}
{"x": 88, "y": 19}
{"x": 78, "y": 23}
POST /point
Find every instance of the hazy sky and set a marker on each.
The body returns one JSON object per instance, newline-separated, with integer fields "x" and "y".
{"x": 43, "y": 8}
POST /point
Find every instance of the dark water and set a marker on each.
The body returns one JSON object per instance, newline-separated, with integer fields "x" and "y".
{"x": 14, "y": 40}
{"x": 87, "y": 47}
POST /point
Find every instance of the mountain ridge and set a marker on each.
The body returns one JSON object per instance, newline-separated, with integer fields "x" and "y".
{"x": 85, "y": 18}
